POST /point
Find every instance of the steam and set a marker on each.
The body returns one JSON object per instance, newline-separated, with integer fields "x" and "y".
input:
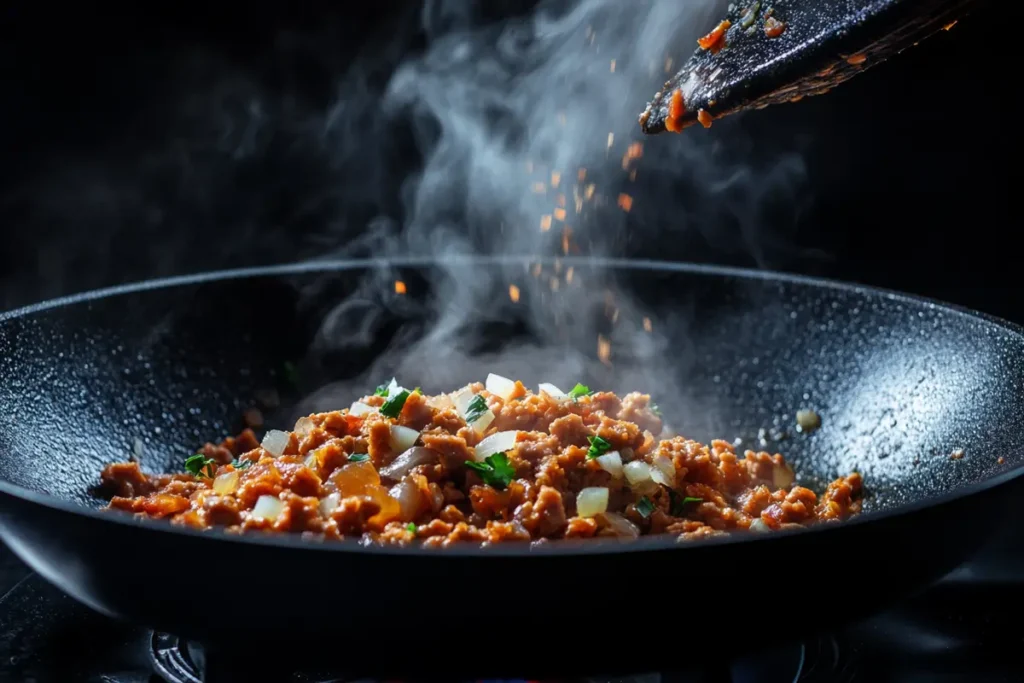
{"x": 516, "y": 113}
{"x": 531, "y": 147}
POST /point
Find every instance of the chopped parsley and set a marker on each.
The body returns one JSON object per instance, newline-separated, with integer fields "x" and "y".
{"x": 579, "y": 391}
{"x": 494, "y": 470}
{"x": 476, "y": 408}
{"x": 411, "y": 528}
{"x": 393, "y": 406}
{"x": 678, "y": 507}
{"x": 645, "y": 506}
{"x": 382, "y": 390}
{"x": 200, "y": 466}
{"x": 598, "y": 447}
{"x": 655, "y": 409}
{"x": 358, "y": 457}
{"x": 241, "y": 464}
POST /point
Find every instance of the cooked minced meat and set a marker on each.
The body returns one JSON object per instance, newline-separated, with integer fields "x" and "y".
{"x": 485, "y": 465}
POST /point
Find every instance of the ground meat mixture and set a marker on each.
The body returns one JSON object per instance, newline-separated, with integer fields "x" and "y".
{"x": 487, "y": 464}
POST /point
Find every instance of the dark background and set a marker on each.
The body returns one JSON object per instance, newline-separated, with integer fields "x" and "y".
{"x": 908, "y": 165}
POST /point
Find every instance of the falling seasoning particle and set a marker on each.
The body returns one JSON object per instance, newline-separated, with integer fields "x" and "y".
{"x": 1000, "y": 460}
{"x": 589, "y": 192}
{"x": 950, "y": 25}
{"x": 613, "y": 66}
{"x": 566, "y": 239}
{"x": 615, "y": 316}
{"x": 513, "y": 293}
{"x": 581, "y": 174}
{"x": 556, "y": 178}
{"x": 545, "y": 222}
{"x": 957, "y": 454}
{"x": 668, "y": 65}
{"x": 560, "y": 214}
{"x": 399, "y": 287}
{"x": 535, "y": 271}
{"x": 807, "y": 420}
{"x": 568, "y": 275}
{"x": 635, "y": 150}
{"x": 554, "y": 284}
{"x": 856, "y": 59}
{"x": 647, "y": 325}
{"x": 604, "y": 350}
{"x": 539, "y": 188}
{"x": 611, "y": 140}
{"x": 560, "y": 200}
{"x": 625, "y": 202}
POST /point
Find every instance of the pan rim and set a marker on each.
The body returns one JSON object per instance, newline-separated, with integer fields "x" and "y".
{"x": 561, "y": 548}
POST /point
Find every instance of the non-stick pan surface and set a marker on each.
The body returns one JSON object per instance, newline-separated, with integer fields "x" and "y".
{"x": 157, "y": 369}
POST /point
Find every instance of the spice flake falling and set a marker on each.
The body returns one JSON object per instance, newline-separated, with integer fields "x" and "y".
{"x": 604, "y": 349}
{"x": 400, "y": 287}
{"x": 513, "y": 293}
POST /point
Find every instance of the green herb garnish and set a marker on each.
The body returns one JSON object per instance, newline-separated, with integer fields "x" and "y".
{"x": 410, "y": 527}
{"x": 645, "y": 506}
{"x": 358, "y": 457}
{"x": 579, "y": 391}
{"x": 383, "y": 389}
{"x": 200, "y": 466}
{"x": 494, "y": 470}
{"x": 476, "y": 408}
{"x": 393, "y": 406}
{"x": 598, "y": 447}
{"x": 241, "y": 464}
{"x": 655, "y": 409}
{"x": 678, "y": 504}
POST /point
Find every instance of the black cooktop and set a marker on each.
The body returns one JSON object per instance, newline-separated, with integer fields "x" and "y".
{"x": 964, "y": 628}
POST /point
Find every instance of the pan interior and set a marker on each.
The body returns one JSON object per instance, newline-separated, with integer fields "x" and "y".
{"x": 902, "y": 385}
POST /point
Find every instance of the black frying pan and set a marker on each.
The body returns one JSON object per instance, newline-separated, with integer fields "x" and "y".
{"x": 901, "y": 383}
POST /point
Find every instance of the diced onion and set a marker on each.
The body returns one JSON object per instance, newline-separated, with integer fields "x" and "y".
{"x": 499, "y": 442}
{"x": 268, "y": 507}
{"x": 619, "y": 525}
{"x": 275, "y": 441}
{"x": 551, "y": 390}
{"x": 400, "y": 466}
{"x": 483, "y": 422}
{"x": 226, "y": 483}
{"x": 329, "y": 504}
{"x": 440, "y": 402}
{"x": 782, "y": 477}
{"x": 663, "y": 471}
{"x": 410, "y": 499}
{"x": 611, "y": 463}
{"x": 592, "y": 501}
{"x": 462, "y": 398}
{"x": 303, "y": 427}
{"x": 311, "y": 461}
{"x": 637, "y": 472}
{"x": 501, "y": 387}
{"x": 759, "y": 526}
{"x": 403, "y": 438}
{"x": 359, "y": 409}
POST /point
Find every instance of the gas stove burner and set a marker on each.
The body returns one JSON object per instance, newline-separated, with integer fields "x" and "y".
{"x": 172, "y": 662}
